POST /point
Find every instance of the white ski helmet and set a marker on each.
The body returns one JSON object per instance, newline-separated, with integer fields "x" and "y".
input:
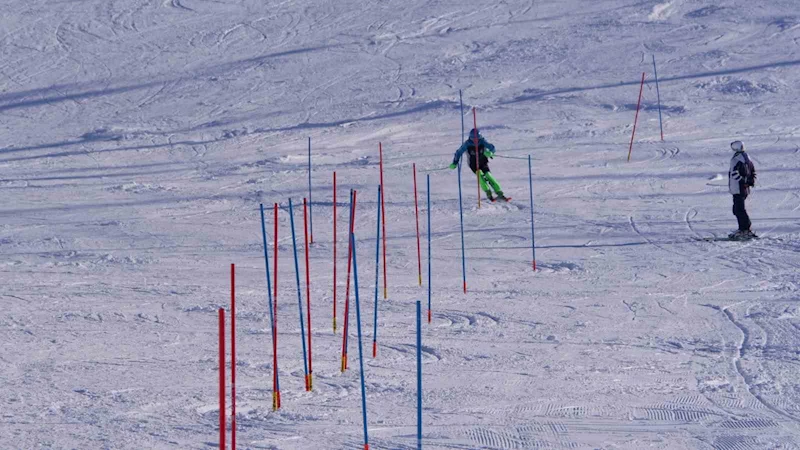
{"x": 737, "y": 146}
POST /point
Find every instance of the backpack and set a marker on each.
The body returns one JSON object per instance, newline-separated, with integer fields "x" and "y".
{"x": 750, "y": 172}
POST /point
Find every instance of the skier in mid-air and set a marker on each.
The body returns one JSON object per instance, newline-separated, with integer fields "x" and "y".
{"x": 485, "y": 151}
{"x": 741, "y": 177}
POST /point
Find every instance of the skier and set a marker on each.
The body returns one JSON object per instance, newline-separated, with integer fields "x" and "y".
{"x": 486, "y": 151}
{"x": 741, "y": 178}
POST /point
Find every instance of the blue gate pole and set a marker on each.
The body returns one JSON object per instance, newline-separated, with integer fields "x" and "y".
{"x": 360, "y": 351}
{"x": 299, "y": 295}
{"x": 533, "y": 236}
{"x": 660, "y": 122}
{"x": 269, "y": 290}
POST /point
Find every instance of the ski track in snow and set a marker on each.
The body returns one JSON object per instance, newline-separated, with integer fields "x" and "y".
{"x": 138, "y": 139}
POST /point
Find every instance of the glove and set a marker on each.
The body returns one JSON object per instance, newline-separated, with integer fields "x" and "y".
{"x": 453, "y": 166}
{"x": 488, "y": 154}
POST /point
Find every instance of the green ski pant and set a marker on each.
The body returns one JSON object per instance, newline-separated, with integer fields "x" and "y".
{"x": 487, "y": 177}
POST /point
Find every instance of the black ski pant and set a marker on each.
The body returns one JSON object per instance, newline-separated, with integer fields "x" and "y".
{"x": 740, "y": 212}
{"x": 482, "y": 161}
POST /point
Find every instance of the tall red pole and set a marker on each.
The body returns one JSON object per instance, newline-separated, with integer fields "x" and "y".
{"x": 477, "y": 152}
{"x": 416, "y": 212}
{"x": 334, "y": 252}
{"x": 347, "y": 291}
{"x": 383, "y": 223}
{"x": 221, "y": 379}
{"x": 233, "y": 358}
{"x": 636, "y": 119}
{"x": 277, "y": 400}
{"x": 310, "y": 380}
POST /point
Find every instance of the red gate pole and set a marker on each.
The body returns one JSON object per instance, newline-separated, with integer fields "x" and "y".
{"x": 233, "y": 359}
{"x": 347, "y": 291}
{"x": 416, "y": 211}
{"x": 310, "y": 381}
{"x": 636, "y": 119}
{"x": 221, "y": 379}
{"x": 277, "y": 401}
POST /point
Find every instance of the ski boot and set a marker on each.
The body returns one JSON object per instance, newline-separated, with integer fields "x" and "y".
{"x": 742, "y": 235}
{"x": 490, "y": 196}
{"x": 501, "y": 197}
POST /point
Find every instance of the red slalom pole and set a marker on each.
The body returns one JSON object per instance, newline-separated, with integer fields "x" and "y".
{"x": 221, "y": 378}
{"x": 276, "y": 402}
{"x": 477, "y": 160}
{"x": 347, "y": 291}
{"x": 334, "y": 252}
{"x": 310, "y": 380}
{"x": 416, "y": 211}
{"x": 636, "y": 119}
{"x": 233, "y": 358}
{"x": 383, "y": 221}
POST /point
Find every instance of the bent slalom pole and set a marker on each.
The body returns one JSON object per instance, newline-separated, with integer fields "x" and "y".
{"x": 271, "y": 314}
{"x": 299, "y": 294}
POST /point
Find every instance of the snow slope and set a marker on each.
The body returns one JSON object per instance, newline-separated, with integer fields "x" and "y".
{"x": 138, "y": 138}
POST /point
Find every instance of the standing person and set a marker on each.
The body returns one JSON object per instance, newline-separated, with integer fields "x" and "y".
{"x": 741, "y": 177}
{"x": 485, "y": 151}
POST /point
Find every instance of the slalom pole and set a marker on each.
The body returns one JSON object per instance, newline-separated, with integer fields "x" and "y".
{"x": 222, "y": 426}
{"x": 299, "y": 294}
{"x": 383, "y": 219}
{"x": 533, "y": 238}
{"x": 416, "y": 212}
{"x": 429, "y": 247}
{"x": 310, "y": 211}
{"x": 377, "y": 264}
{"x": 310, "y": 381}
{"x": 477, "y": 152}
{"x": 419, "y": 378}
{"x": 347, "y": 291}
{"x": 334, "y": 252}
{"x": 233, "y": 358}
{"x": 276, "y": 404}
{"x": 271, "y": 314}
{"x": 461, "y": 216}
{"x": 636, "y": 119}
{"x": 658, "y": 93}
{"x": 460, "y": 201}
{"x": 360, "y": 351}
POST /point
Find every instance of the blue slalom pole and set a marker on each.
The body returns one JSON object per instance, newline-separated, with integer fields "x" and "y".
{"x": 377, "y": 264}
{"x": 310, "y": 211}
{"x": 660, "y": 122}
{"x": 360, "y": 351}
{"x": 299, "y": 295}
{"x": 429, "y": 248}
{"x": 269, "y": 291}
{"x": 461, "y": 215}
{"x": 533, "y": 238}
{"x": 419, "y": 378}
{"x": 460, "y": 201}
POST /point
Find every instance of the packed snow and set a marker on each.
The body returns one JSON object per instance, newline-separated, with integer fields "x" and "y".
{"x": 139, "y": 137}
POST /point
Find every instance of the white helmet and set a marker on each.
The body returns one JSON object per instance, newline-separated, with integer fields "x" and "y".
{"x": 737, "y": 146}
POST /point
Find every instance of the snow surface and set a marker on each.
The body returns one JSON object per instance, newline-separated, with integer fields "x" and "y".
{"x": 139, "y": 137}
